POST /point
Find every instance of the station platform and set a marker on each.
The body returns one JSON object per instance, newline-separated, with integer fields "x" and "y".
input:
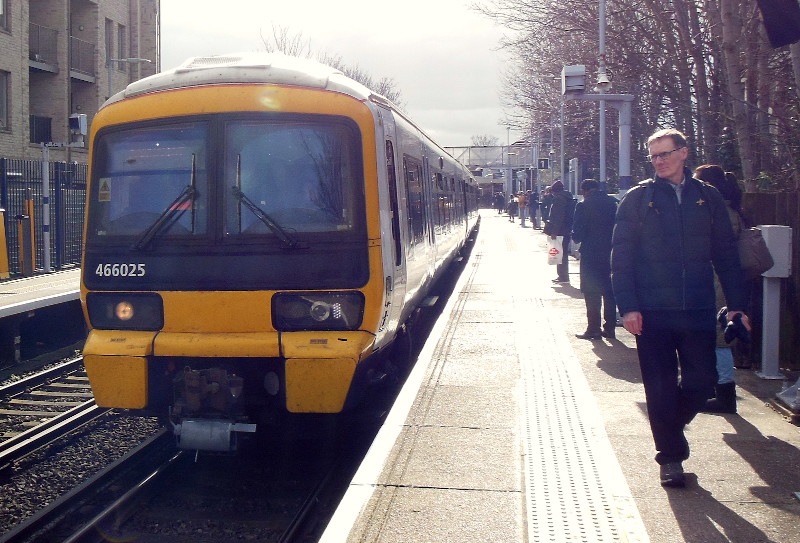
{"x": 20, "y": 295}
{"x": 511, "y": 429}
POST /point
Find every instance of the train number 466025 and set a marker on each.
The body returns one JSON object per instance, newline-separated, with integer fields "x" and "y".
{"x": 120, "y": 270}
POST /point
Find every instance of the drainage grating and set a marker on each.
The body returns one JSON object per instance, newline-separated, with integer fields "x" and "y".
{"x": 575, "y": 488}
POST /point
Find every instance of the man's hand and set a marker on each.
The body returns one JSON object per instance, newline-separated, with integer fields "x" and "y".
{"x": 745, "y": 320}
{"x": 632, "y": 321}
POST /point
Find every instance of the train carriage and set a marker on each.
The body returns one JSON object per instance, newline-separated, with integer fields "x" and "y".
{"x": 258, "y": 228}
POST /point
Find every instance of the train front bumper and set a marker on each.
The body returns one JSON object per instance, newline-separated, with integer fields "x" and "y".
{"x": 318, "y": 366}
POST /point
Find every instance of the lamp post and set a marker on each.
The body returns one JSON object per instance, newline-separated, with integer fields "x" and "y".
{"x": 603, "y": 86}
{"x": 109, "y": 65}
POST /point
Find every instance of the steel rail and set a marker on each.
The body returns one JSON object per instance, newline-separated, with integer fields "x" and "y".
{"x": 40, "y": 378}
{"x": 35, "y": 528}
{"x": 53, "y": 428}
{"x": 91, "y": 528}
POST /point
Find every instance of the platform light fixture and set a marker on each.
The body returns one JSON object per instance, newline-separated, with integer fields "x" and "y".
{"x": 109, "y": 66}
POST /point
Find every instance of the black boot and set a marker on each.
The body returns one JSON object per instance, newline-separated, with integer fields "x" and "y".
{"x": 725, "y": 402}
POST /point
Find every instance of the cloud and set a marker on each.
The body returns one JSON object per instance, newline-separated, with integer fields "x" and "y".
{"x": 439, "y": 53}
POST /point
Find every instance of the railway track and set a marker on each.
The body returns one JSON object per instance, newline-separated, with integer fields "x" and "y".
{"x": 79, "y": 514}
{"x": 43, "y": 407}
{"x": 154, "y": 490}
{"x": 25, "y": 403}
{"x": 157, "y": 493}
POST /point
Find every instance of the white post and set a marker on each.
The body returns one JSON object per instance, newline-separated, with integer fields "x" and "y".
{"x": 779, "y": 241}
{"x": 770, "y": 332}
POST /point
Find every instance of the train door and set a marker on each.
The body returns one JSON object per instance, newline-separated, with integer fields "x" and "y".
{"x": 394, "y": 258}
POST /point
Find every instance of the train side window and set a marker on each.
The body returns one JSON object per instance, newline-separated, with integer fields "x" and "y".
{"x": 441, "y": 204}
{"x": 393, "y": 201}
{"x": 416, "y": 199}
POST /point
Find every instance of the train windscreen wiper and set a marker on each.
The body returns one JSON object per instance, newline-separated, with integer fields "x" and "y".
{"x": 288, "y": 241}
{"x": 167, "y": 218}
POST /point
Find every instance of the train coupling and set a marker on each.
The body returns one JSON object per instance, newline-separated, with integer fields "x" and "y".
{"x": 207, "y": 411}
{"x": 209, "y": 435}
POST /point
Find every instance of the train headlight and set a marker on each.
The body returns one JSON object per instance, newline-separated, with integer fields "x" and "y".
{"x": 293, "y": 312}
{"x": 125, "y": 310}
{"x": 320, "y": 311}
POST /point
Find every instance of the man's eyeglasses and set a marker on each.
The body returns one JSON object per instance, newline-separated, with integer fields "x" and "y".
{"x": 662, "y": 156}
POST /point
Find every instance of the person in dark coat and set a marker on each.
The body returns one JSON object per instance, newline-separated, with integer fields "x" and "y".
{"x": 500, "y": 202}
{"x": 671, "y": 235}
{"x": 546, "y": 202}
{"x": 560, "y": 224}
{"x": 592, "y": 228}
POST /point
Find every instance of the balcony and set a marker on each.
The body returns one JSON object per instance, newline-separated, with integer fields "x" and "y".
{"x": 81, "y": 61}
{"x": 43, "y": 48}
{"x": 43, "y": 53}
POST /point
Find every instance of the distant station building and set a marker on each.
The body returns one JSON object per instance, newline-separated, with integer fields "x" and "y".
{"x": 59, "y": 58}
{"x": 506, "y": 168}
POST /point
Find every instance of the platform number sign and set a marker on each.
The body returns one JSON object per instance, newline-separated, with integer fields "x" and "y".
{"x": 543, "y": 164}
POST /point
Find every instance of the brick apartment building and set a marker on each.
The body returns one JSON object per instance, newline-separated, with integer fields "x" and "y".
{"x": 57, "y": 59}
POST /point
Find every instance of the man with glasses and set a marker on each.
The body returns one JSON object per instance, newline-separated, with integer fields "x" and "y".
{"x": 670, "y": 235}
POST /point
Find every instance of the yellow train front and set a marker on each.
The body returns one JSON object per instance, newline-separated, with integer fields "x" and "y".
{"x": 258, "y": 228}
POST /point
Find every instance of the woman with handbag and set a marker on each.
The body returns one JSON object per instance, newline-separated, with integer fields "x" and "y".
{"x": 726, "y": 184}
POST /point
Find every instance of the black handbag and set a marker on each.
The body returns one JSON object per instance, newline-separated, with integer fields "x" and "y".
{"x": 754, "y": 254}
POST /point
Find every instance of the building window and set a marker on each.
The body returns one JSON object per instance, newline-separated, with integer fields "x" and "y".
{"x": 4, "y": 18}
{"x": 5, "y": 78}
{"x": 122, "y": 51}
{"x": 41, "y": 129}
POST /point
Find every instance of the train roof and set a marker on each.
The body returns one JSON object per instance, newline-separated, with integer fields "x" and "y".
{"x": 257, "y": 67}
{"x": 267, "y": 68}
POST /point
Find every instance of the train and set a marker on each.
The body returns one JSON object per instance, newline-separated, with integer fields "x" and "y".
{"x": 259, "y": 229}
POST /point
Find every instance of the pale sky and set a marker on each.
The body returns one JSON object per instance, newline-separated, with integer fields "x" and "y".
{"x": 442, "y": 55}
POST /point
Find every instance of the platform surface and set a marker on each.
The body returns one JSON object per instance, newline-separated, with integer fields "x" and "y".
{"x": 511, "y": 429}
{"x": 20, "y": 295}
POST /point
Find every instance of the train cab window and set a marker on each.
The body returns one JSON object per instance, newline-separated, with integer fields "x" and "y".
{"x": 296, "y": 177}
{"x": 150, "y": 182}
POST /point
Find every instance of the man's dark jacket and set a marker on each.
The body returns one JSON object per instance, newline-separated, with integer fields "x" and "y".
{"x": 662, "y": 252}
{"x": 592, "y": 227}
{"x": 560, "y": 223}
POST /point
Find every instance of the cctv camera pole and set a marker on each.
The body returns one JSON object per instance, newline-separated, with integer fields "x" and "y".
{"x": 601, "y": 75}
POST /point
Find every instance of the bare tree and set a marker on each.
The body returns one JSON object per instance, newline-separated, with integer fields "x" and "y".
{"x": 294, "y": 44}
{"x": 702, "y": 66}
{"x": 485, "y": 140}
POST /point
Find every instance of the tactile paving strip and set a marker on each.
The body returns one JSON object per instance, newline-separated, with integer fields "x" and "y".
{"x": 575, "y": 488}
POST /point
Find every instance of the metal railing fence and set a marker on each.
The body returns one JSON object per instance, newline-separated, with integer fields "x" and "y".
{"x": 21, "y": 181}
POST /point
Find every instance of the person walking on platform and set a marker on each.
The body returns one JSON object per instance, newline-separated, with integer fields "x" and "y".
{"x": 500, "y": 202}
{"x": 560, "y": 224}
{"x": 513, "y": 207}
{"x": 671, "y": 234}
{"x": 592, "y": 228}
{"x": 522, "y": 206}
{"x": 725, "y": 398}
